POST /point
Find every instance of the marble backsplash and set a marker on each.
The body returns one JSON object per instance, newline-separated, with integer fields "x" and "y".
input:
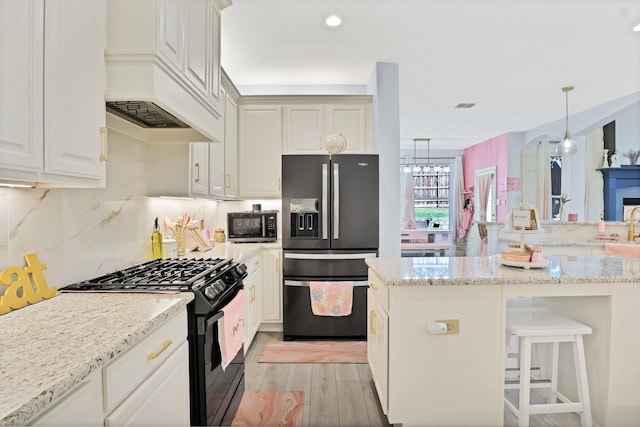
{"x": 81, "y": 233}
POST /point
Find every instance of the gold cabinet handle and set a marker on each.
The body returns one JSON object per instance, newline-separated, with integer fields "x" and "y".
{"x": 197, "y": 174}
{"x": 257, "y": 263}
{"x": 372, "y": 320}
{"x": 155, "y": 354}
{"x": 105, "y": 143}
{"x": 277, "y": 262}
{"x": 279, "y": 186}
{"x": 227, "y": 183}
{"x": 373, "y": 286}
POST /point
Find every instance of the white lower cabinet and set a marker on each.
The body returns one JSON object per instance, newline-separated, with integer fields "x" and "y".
{"x": 148, "y": 385}
{"x": 162, "y": 399}
{"x": 271, "y": 286}
{"x": 378, "y": 348}
{"x": 80, "y": 407}
{"x": 252, "y": 298}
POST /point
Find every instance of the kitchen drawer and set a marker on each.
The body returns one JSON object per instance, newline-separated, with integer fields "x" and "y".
{"x": 380, "y": 290}
{"x": 125, "y": 373}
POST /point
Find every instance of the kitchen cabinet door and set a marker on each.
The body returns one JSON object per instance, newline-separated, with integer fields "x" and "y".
{"x": 74, "y": 83}
{"x": 162, "y": 399}
{"x": 304, "y": 130}
{"x": 353, "y": 121}
{"x": 230, "y": 147}
{"x": 21, "y": 86}
{"x": 260, "y": 151}
{"x": 271, "y": 286}
{"x": 223, "y": 157}
{"x": 378, "y": 348}
{"x": 171, "y": 23}
{"x": 81, "y": 407}
{"x": 252, "y": 294}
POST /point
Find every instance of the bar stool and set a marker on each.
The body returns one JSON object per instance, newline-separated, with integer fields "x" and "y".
{"x": 521, "y": 305}
{"x": 540, "y": 327}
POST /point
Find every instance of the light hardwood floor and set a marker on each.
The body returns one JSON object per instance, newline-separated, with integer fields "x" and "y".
{"x": 337, "y": 394}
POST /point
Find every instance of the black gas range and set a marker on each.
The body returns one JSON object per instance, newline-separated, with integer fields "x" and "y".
{"x": 215, "y": 392}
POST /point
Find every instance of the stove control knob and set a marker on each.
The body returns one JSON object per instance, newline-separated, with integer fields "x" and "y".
{"x": 241, "y": 269}
{"x": 210, "y": 292}
{"x": 219, "y": 285}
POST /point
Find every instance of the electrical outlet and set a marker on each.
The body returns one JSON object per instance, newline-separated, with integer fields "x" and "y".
{"x": 453, "y": 325}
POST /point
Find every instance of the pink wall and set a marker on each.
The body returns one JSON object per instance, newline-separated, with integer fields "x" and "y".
{"x": 492, "y": 152}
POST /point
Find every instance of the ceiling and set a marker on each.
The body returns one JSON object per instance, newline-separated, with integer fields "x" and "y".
{"x": 510, "y": 57}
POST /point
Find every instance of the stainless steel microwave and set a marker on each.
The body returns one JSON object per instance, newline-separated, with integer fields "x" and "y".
{"x": 252, "y": 226}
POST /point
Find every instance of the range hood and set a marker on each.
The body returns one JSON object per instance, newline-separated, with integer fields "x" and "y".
{"x": 154, "y": 89}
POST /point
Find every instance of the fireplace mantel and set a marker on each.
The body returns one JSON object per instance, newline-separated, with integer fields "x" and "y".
{"x": 617, "y": 180}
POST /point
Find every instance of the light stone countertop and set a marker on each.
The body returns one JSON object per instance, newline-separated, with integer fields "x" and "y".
{"x": 488, "y": 271}
{"x": 48, "y": 348}
{"x": 238, "y": 251}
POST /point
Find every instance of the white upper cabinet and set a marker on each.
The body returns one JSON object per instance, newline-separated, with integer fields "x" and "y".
{"x": 259, "y": 151}
{"x": 308, "y": 125}
{"x": 52, "y": 112}
{"x": 223, "y": 158}
{"x": 21, "y": 86}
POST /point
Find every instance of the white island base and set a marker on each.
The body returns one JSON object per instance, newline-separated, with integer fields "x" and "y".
{"x": 457, "y": 380}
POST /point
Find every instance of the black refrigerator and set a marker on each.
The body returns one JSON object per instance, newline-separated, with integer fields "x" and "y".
{"x": 330, "y": 221}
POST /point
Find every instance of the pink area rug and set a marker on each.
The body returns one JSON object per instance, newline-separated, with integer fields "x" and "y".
{"x": 270, "y": 408}
{"x": 276, "y": 351}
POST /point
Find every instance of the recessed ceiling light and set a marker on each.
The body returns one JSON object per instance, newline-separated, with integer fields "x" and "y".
{"x": 637, "y": 28}
{"x": 333, "y": 21}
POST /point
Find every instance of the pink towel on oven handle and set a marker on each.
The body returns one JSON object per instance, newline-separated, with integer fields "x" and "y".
{"x": 230, "y": 329}
{"x": 331, "y": 298}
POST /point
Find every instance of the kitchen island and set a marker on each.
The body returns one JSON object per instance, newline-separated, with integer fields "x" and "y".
{"x": 457, "y": 379}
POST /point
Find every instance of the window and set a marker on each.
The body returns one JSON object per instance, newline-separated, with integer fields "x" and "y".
{"x": 431, "y": 194}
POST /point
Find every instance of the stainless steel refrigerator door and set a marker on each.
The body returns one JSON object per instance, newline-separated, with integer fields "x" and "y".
{"x": 305, "y": 179}
{"x": 355, "y": 198}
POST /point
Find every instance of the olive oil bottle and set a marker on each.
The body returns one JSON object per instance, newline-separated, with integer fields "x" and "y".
{"x": 156, "y": 241}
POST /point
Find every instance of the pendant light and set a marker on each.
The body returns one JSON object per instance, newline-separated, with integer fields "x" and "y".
{"x": 414, "y": 162}
{"x": 567, "y": 146}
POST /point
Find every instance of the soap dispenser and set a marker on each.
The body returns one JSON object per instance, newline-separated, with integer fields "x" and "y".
{"x": 156, "y": 241}
{"x": 601, "y": 231}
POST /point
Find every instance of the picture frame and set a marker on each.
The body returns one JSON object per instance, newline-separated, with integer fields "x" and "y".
{"x": 525, "y": 217}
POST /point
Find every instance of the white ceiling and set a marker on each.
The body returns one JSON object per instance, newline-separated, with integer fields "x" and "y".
{"x": 510, "y": 57}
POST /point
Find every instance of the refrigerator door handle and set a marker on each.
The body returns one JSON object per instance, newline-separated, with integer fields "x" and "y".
{"x": 325, "y": 200}
{"x": 336, "y": 201}
{"x": 305, "y": 283}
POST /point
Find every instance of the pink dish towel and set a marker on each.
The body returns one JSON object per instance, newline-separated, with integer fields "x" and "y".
{"x": 230, "y": 329}
{"x": 331, "y": 298}
{"x": 625, "y": 250}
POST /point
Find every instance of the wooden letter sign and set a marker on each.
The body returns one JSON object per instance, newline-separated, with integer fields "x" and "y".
{"x": 26, "y": 285}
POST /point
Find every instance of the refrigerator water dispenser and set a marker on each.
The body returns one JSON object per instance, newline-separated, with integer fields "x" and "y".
{"x": 304, "y": 218}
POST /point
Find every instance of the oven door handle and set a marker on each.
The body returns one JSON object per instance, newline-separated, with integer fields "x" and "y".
{"x": 305, "y": 283}
{"x": 298, "y": 255}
